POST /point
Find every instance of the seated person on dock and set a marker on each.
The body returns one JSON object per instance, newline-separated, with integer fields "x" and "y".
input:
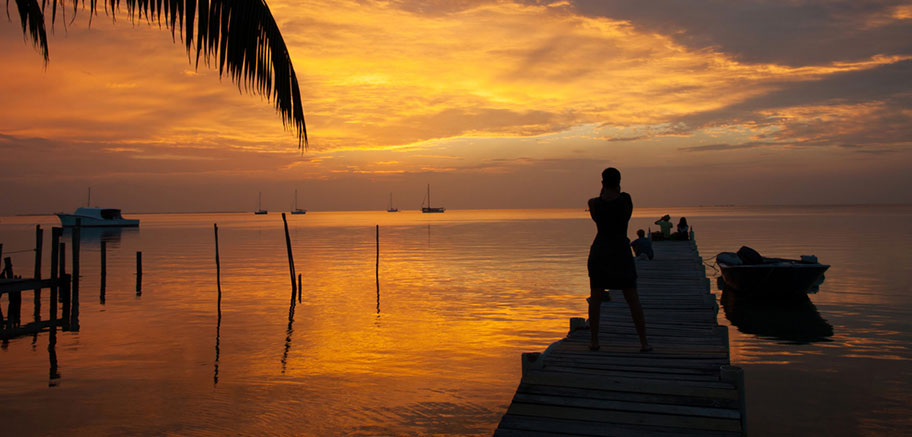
{"x": 683, "y": 232}
{"x": 642, "y": 247}
{"x": 665, "y": 224}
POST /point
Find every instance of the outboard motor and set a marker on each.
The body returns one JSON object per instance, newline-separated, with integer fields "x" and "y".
{"x": 749, "y": 256}
{"x": 730, "y": 258}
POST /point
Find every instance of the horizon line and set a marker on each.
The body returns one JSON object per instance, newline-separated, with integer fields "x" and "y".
{"x": 767, "y": 205}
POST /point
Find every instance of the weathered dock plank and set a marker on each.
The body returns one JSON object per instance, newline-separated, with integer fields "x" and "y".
{"x": 685, "y": 386}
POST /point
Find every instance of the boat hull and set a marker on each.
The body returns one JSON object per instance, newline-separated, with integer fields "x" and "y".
{"x": 69, "y": 221}
{"x": 299, "y": 211}
{"x": 772, "y": 280}
{"x": 433, "y": 210}
{"x": 261, "y": 212}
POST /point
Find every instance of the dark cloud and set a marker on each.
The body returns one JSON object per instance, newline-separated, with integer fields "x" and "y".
{"x": 887, "y": 83}
{"x": 726, "y": 146}
{"x": 759, "y": 31}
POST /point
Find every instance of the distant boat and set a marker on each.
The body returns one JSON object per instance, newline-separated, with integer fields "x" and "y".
{"x": 96, "y": 218}
{"x": 391, "y": 209}
{"x": 260, "y": 210}
{"x": 297, "y": 210}
{"x": 429, "y": 208}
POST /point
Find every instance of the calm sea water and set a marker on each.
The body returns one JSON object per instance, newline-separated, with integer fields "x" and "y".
{"x": 462, "y": 294}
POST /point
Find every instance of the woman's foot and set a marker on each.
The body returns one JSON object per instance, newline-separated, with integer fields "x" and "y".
{"x": 646, "y": 348}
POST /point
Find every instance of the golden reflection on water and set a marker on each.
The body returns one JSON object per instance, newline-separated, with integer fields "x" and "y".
{"x": 462, "y": 294}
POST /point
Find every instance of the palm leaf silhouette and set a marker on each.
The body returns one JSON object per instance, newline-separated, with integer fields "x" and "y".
{"x": 240, "y": 36}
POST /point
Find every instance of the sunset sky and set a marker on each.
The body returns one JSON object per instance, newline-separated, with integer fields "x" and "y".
{"x": 496, "y": 104}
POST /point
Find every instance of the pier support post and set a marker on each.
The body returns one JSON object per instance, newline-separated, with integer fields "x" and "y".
{"x": 577, "y": 323}
{"x": 55, "y": 248}
{"x": 64, "y": 291}
{"x": 532, "y": 361}
{"x": 735, "y": 376}
{"x": 722, "y": 331}
{"x": 39, "y": 242}
{"x": 14, "y": 313}
{"x": 74, "y": 290}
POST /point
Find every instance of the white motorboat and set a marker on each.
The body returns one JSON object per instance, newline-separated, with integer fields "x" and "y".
{"x": 96, "y": 218}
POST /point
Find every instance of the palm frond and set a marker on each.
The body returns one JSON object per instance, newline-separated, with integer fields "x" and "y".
{"x": 240, "y": 36}
{"x": 31, "y": 15}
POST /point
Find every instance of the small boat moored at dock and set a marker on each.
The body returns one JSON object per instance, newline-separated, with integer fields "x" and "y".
{"x": 748, "y": 272}
{"x": 96, "y": 217}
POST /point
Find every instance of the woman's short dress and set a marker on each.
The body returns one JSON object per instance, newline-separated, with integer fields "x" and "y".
{"x": 610, "y": 263}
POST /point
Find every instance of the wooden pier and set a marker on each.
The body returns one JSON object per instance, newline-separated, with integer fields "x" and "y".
{"x": 64, "y": 291}
{"x": 685, "y": 386}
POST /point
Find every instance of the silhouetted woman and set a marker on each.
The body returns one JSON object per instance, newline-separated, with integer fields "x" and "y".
{"x": 682, "y": 233}
{"x": 682, "y": 226}
{"x": 610, "y": 262}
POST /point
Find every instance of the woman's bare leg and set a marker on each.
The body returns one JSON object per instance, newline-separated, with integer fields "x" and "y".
{"x": 595, "y": 309}
{"x": 636, "y": 312}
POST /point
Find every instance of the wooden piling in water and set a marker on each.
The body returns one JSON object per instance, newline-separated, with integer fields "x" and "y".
{"x": 74, "y": 292}
{"x": 377, "y": 268}
{"x": 377, "y": 262}
{"x": 39, "y": 242}
{"x": 138, "y": 273}
{"x": 218, "y": 323}
{"x": 299, "y": 288}
{"x": 291, "y": 268}
{"x": 55, "y": 248}
{"x": 218, "y": 271}
{"x": 14, "y": 313}
{"x": 64, "y": 290}
{"x": 104, "y": 271}
{"x": 2, "y": 321}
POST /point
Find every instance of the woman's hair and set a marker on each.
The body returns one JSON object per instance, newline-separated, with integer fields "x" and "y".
{"x": 683, "y": 221}
{"x": 611, "y": 177}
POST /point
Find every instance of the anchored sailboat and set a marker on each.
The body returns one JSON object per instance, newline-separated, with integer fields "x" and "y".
{"x": 297, "y": 210}
{"x": 390, "y": 208}
{"x": 429, "y": 208}
{"x": 260, "y": 209}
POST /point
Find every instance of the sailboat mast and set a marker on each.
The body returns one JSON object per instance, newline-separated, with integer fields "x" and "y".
{"x": 260, "y": 201}
{"x": 89, "y": 201}
{"x": 429, "y": 195}
{"x": 296, "y": 200}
